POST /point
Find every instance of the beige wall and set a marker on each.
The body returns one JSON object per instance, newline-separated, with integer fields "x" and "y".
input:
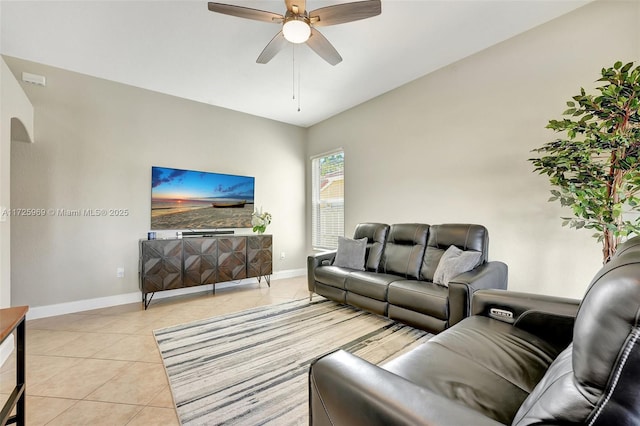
{"x": 14, "y": 106}
{"x": 97, "y": 141}
{"x": 453, "y": 146}
{"x": 449, "y": 147}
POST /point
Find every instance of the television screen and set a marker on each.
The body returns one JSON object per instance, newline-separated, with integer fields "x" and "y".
{"x": 188, "y": 199}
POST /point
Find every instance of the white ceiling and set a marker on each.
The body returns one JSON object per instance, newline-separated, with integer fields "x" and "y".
{"x": 182, "y": 49}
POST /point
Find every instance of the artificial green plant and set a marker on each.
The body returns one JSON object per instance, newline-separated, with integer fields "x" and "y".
{"x": 595, "y": 164}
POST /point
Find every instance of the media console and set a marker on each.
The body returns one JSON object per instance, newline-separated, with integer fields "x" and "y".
{"x": 194, "y": 261}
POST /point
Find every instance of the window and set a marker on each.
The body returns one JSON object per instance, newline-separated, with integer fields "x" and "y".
{"x": 327, "y": 199}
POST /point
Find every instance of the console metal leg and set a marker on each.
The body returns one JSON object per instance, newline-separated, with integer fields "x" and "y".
{"x": 146, "y": 302}
{"x": 267, "y": 278}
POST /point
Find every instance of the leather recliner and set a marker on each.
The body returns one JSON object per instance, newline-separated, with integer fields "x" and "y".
{"x": 397, "y": 282}
{"x": 331, "y": 279}
{"x": 520, "y": 359}
{"x": 401, "y": 259}
{"x": 424, "y": 304}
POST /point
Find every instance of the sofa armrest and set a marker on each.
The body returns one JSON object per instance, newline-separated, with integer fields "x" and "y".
{"x": 347, "y": 390}
{"x": 488, "y": 275}
{"x": 314, "y": 261}
{"x": 548, "y": 317}
{"x": 462, "y": 287}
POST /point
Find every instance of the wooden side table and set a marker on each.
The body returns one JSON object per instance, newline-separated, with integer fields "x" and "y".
{"x": 13, "y": 319}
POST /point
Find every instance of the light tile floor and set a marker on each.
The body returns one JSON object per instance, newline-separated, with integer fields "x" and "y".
{"x": 102, "y": 367}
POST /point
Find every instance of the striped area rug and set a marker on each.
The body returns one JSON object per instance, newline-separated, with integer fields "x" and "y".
{"x": 251, "y": 367}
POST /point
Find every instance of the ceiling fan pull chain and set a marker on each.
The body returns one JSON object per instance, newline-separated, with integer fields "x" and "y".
{"x": 293, "y": 75}
{"x": 299, "y": 74}
{"x": 293, "y": 70}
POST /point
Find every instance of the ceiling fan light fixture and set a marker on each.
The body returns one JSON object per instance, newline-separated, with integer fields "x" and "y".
{"x": 296, "y": 30}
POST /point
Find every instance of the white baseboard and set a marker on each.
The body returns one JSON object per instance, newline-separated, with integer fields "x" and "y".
{"x": 6, "y": 348}
{"x": 122, "y": 299}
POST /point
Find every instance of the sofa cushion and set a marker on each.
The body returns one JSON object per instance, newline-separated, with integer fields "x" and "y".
{"x": 404, "y": 249}
{"x": 366, "y": 303}
{"x": 420, "y": 296}
{"x": 350, "y": 253}
{"x": 333, "y": 276}
{"x": 376, "y": 235}
{"x": 416, "y": 319}
{"x": 454, "y": 262}
{"x": 370, "y": 284}
{"x": 332, "y": 293}
{"x": 441, "y": 237}
{"x": 487, "y": 365}
{"x": 559, "y": 375}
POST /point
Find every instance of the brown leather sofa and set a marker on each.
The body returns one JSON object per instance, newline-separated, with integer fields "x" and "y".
{"x": 400, "y": 263}
{"x": 520, "y": 359}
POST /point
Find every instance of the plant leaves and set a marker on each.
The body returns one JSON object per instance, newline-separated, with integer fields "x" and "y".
{"x": 594, "y": 167}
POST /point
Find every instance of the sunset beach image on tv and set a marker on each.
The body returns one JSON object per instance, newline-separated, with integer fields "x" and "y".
{"x": 189, "y": 199}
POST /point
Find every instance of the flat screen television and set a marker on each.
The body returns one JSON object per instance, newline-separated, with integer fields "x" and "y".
{"x": 193, "y": 200}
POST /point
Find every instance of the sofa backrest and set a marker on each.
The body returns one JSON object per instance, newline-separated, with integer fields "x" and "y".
{"x": 462, "y": 235}
{"x": 404, "y": 249}
{"x": 376, "y": 235}
{"x": 595, "y": 380}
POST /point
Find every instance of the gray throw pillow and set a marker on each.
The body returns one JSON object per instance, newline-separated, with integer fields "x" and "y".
{"x": 351, "y": 253}
{"x": 453, "y": 263}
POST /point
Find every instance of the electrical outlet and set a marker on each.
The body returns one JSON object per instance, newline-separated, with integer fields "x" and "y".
{"x": 282, "y": 255}
{"x": 120, "y": 272}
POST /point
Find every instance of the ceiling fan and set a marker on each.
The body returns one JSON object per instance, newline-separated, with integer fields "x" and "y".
{"x": 298, "y": 25}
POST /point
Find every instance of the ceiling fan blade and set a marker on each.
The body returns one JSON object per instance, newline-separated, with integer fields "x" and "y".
{"x": 245, "y": 12}
{"x": 300, "y": 6}
{"x": 319, "y": 44}
{"x": 276, "y": 44}
{"x": 345, "y": 12}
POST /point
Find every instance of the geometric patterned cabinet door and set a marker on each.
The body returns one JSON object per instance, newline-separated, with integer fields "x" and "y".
{"x": 232, "y": 258}
{"x": 186, "y": 262}
{"x": 161, "y": 265}
{"x": 259, "y": 256}
{"x": 200, "y": 261}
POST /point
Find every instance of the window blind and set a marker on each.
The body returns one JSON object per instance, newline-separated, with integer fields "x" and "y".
{"x": 327, "y": 200}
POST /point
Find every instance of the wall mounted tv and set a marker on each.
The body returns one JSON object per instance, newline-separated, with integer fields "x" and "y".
{"x": 193, "y": 200}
